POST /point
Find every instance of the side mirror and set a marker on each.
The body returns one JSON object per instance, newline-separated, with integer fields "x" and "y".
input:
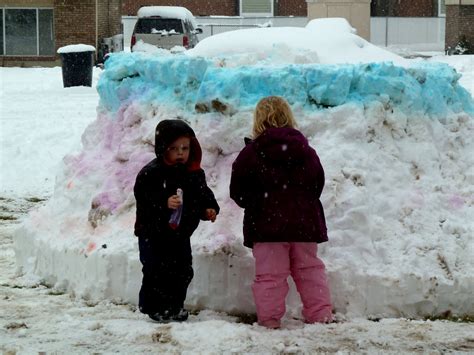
{"x": 198, "y": 30}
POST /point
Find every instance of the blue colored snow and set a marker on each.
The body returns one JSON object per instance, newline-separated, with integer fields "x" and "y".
{"x": 193, "y": 83}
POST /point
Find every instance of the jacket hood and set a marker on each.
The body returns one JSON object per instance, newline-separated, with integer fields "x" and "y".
{"x": 282, "y": 146}
{"x": 167, "y": 131}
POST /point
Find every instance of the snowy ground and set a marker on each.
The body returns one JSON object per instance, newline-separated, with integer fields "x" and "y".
{"x": 41, "y": 320}
{"x": 35, "y": 319}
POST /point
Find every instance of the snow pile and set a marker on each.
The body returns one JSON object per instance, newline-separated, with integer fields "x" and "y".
{"x": 324, "y": 41}
{"x": 196, "y": 83}
{"x": 396, "y": 144}
{"x": 330, "y": 24}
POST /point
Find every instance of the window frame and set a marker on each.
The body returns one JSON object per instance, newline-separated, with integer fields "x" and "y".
{"x": 3, "y": 31}
{"x": 37, "y": 9}
{"x": 257, "y": 14}
{"x": 441, "y": 14}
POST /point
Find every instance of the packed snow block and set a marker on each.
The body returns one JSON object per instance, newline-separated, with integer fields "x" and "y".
{"x": 396, "y": 196}
{"x": 431, "y": 89}
{"x": 329, "y": 85}
{"x": 441, "y": 88}
{"x": 139, "y": 77}
{"x": 65, "y": 269}
{"x": 377, "y": 80}
{"x": 411, "y": 295}
{"x": 201, "y": 85}
{"x": 79, "y": 266}
{"x": 215, "y": 282}
{"x": 427, "y": 89}
{"x": 241, "y": 88}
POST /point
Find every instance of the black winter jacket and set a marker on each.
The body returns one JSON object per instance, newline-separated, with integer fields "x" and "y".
{"x": 278, "y": 179}
{"x": 157, "y": 181}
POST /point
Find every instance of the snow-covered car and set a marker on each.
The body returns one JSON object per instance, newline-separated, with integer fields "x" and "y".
{"x": 165, "y": 27}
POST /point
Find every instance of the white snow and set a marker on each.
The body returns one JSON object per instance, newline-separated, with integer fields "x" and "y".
{"x": 398, "y": 200}
{"x": 330, "y": 24}
{"x": 73, "y": 48}
{"x": 178, "y": 12}
{"x": 312, "y": 44}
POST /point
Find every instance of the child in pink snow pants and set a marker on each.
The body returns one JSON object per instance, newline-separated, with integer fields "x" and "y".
{"x": 278, "y": 179}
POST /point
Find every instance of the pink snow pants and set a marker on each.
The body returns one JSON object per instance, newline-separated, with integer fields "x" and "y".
{"x": 274, "y": 262}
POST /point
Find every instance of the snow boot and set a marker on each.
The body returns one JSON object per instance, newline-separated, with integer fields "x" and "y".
{"x": 181, "y": 316}
{"x": 168, "y": 316}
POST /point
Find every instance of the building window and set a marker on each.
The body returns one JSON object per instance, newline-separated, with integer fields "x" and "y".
{"x": 256, "y": 7}
{"x": 28, "y": 32}
{"x": 46, "y": 32}
{"x": 441, "y": 8}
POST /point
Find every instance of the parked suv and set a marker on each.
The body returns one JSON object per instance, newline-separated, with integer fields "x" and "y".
{"x": 165, "y": 27}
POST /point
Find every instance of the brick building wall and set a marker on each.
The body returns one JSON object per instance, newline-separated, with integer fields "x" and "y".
{"x": 27, "y": 3}
{"x": 452, "y": 23}
{"x": 197, "y": 7}
{"x": 291, "y": 8}
{"x": 102, "y": 19}
{"x": 404, "y": 8}
{"x": 459, "y": 23}
{"x": 216, "y": 7}
{"x": 74, "y": 22}
{"x": 418, "y": 8}
{"x": 109, "y": 18}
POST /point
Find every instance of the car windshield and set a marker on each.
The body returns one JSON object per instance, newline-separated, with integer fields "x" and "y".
{"x": 154, "y": 25}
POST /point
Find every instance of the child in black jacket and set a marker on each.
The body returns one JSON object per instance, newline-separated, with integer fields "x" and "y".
{"x": 172, "y": 196}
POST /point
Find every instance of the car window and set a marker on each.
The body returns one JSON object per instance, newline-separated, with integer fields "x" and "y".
{"x": 153, "y": 25}
{"x": 189, "y": 27}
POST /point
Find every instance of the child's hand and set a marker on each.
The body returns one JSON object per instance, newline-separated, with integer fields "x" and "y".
{"x": 174, "y": 201}
{"x": 211, "y": 214}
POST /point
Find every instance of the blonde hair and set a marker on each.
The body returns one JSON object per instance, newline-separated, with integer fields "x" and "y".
{"x": 272, "y": 111}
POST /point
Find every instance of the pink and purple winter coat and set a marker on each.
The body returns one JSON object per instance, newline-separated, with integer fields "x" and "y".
{"x": 278, "y": 179}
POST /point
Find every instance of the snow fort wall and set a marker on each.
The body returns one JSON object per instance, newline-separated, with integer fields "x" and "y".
{"x": 395, "y": 142}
